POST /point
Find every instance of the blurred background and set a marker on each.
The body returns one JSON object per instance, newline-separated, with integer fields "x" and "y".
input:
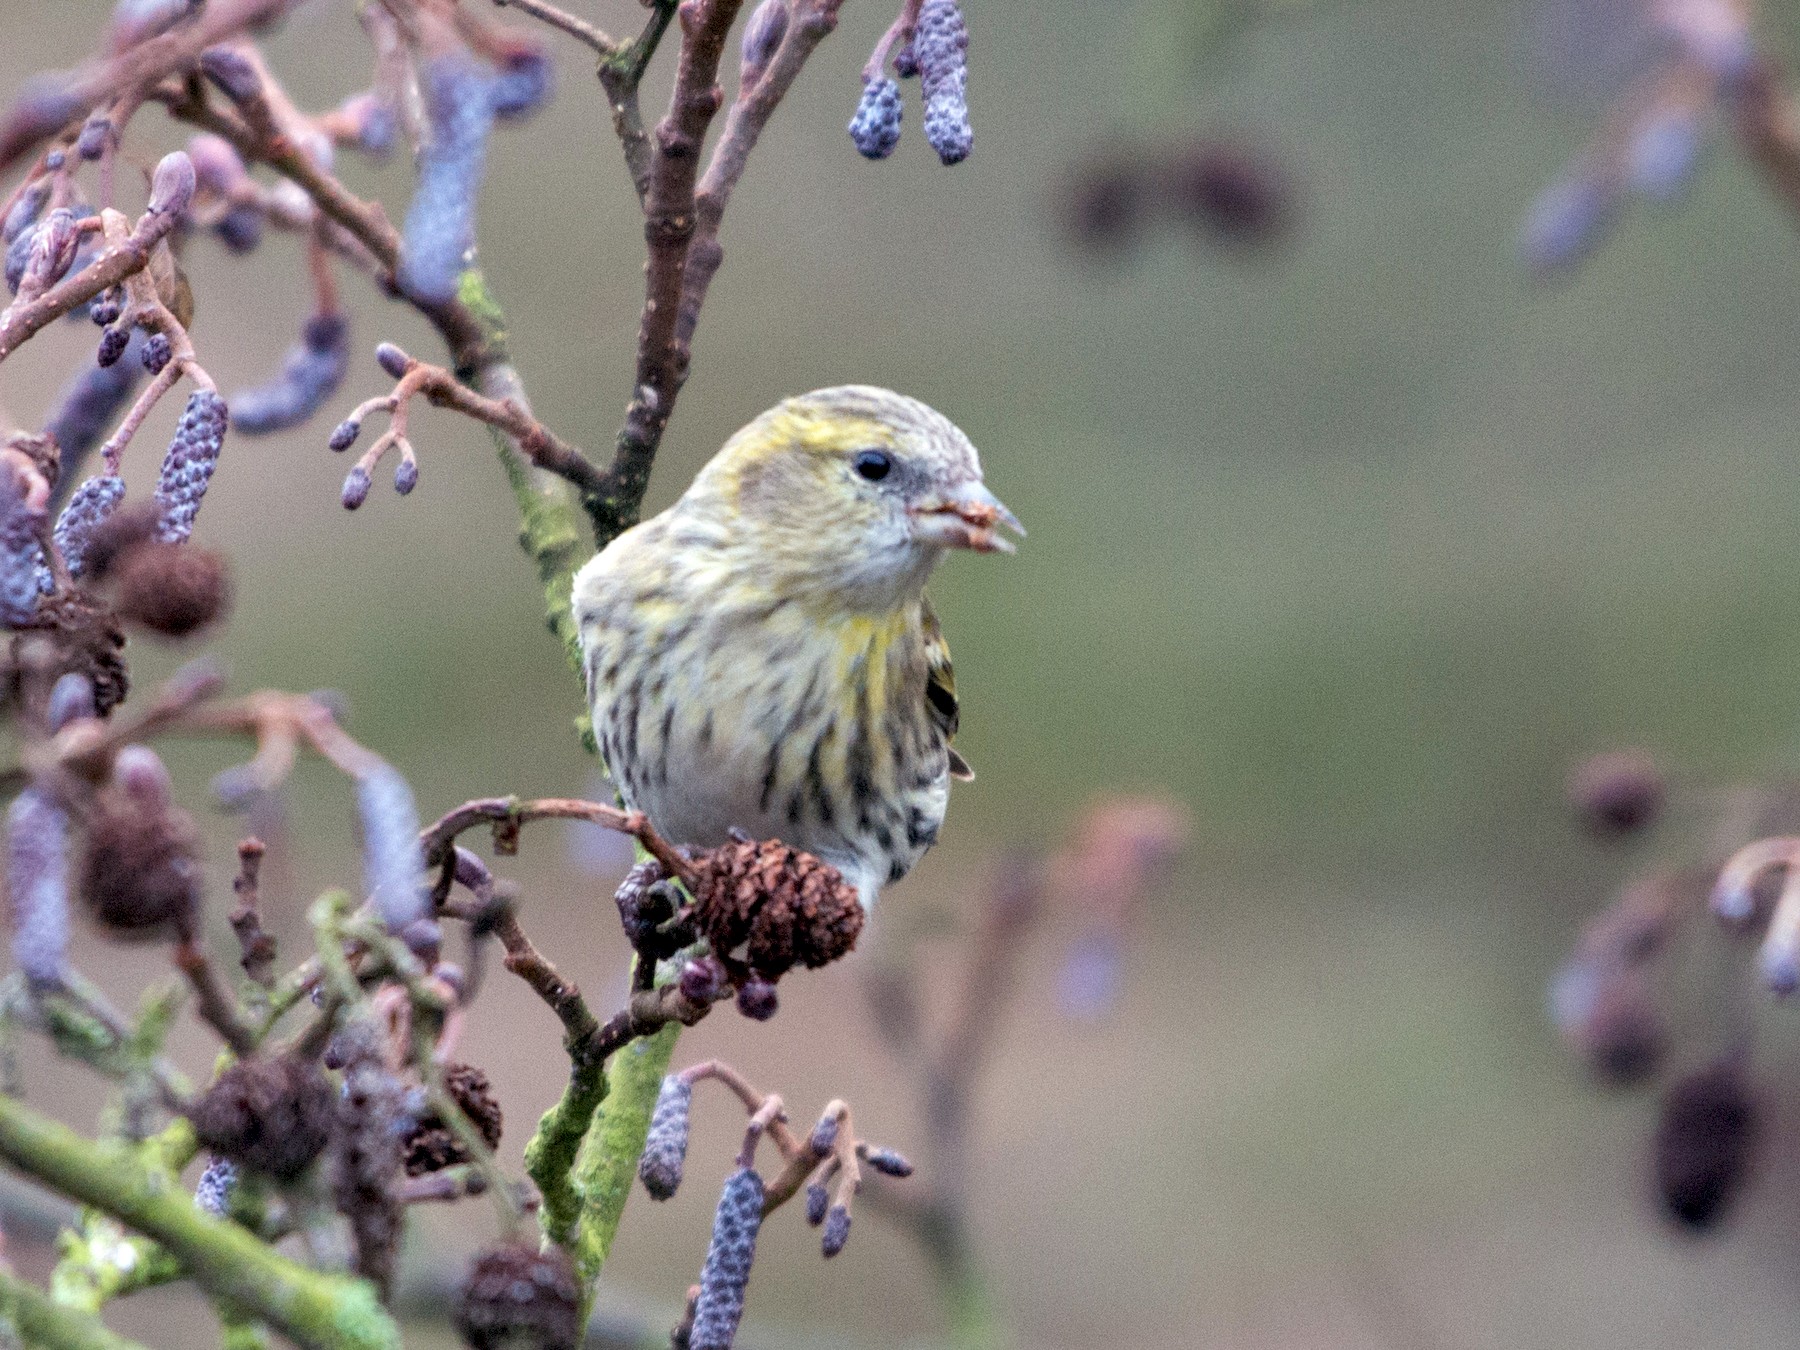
{"x": 1349, "y": 537}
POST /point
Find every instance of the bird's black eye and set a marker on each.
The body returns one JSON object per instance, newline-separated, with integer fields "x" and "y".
{"x": 872, "y": 464}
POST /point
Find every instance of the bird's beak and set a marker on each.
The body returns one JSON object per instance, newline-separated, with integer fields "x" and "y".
{"x": 966, "y": 517}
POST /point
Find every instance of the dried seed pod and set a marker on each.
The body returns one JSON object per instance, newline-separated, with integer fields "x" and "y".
{"x": 188, "y": 465}
{"x": 785, "y": 907}
{"x": 515, "y": 1290}
{"x": 876, "y": 127}
{"x": 725, "y": 1277}
{"x": 157, "y": 352}
{"x": 113, "y": 342}
{"x": 393, "y": 864}
{"x": 104, "y": 309}
{"x": 23, "y": 505}
{"x": 273, "y": 1116}
{"x": 212, "y": 1193}
{"x": 439, "y": 234}
{"x": 665, "y": 1145}
{"x": 523, "y": 84}
{"x": 116, "y": 536}
{"x": 71, "y": 698}
{"x": 644, "y": 906}
{"x": 1705, "y": 1143}
{"x": 705, "y": 980}
{"x": 37, "y": 886}
{"x": 1617, "y": 793}
{"x": 1568, "y": 221}
{"x": 431, "y": 1145}
{"x": 88, "y": 406}
{"x": 88, "y": 508}
{"x": 356, "y": 488}
{"x": 837, "y": 1231}
{"x": 139, "y": 872}
{"x": 367, "y": 1130}
{"x": 757, "y": 999}
{"x": 173, "y": 590}
{"x": 1236, "y": 193}
{"x": 88, "y": 642}
{"x": 310, "y": 374}
{"x": 940, "y": 45}
{"x": 888, "y": 1163}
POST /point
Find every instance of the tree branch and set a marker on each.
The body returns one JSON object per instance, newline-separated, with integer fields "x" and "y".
{"x": 40, "y": 1321}
{"x": 320, "y": 1312}
{"x": 662, "y": 360}
{"x": 120, "y": 261}
{"x": 579, "y": 29}
{"x": 45, "y": 110}
{"x": 749, "y": 114}
{"x": 620, "y": 74}
{"x": 606, "y": 1164}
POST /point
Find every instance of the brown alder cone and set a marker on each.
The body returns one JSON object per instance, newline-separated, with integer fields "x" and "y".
{"x": 785, "y": 907}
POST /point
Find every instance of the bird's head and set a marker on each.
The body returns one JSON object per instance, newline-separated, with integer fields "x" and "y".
{"x": 854, "y": 492}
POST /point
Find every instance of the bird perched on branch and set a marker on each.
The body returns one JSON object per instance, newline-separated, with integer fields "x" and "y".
{"x": 762, "y": 655}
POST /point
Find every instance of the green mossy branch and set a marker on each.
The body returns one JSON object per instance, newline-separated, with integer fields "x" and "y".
{"x": 553, "y": 528}
{"x": 550, "y": 1155}
{"x": 99, "y": 1261}
{"x": 584, "y": 1153}
{"x": 33, "y": 1318}
{"x": 606, "y": 1165}
{"x": 317, "y": 1311}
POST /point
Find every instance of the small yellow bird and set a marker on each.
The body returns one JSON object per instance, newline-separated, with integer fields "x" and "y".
{"x": 762, "y": 655}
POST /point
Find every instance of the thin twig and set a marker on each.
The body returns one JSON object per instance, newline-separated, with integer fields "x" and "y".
{"x": 137, "y": 68}
{"x": 744, "y": 122}
{"x": 127, "y": 258}
{"x": 256, "y": 945}
{"x": 662, "y": 359}
{"x": 620, "y": 74}
{"x": 579, "y": 29}
{"x": 216, "y": 1006}
{"x": 511, "y": 811}
{"x": 442, "y": 389}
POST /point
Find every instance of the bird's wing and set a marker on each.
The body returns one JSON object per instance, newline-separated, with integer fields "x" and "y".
{"x": 940, "y": 691}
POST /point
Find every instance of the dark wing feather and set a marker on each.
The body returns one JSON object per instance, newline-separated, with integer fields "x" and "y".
{"x": 940, "y": 691}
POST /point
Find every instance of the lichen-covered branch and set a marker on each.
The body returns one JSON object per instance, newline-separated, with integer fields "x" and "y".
{"x": 318, "y": 1311}
{"x": 606, "y": 1163}
{"x": 662, "y": 359}
{"x": 38, "y": 1320}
